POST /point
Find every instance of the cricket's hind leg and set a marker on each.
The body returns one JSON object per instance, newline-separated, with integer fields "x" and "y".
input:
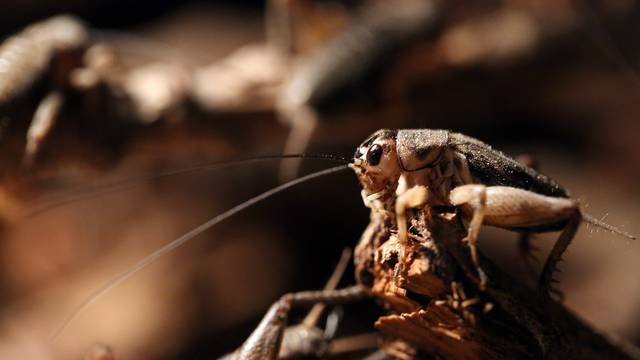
{"x": 518, "y": 209}
{"x": 526, "y": 249}
{"x": 264, "y": 342}
{"x": 545, "y": 285}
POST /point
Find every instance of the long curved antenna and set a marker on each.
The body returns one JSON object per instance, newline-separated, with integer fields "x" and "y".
{"x": 131, "y": 182}
{"x": 183, "y": 239}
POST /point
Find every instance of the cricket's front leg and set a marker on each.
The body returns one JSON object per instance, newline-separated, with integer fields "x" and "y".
{"x": 264, "y": 342}
{"x": 475, "y": 198}
{"x": 416, "y": 197}
{"x": 518, "y": 209}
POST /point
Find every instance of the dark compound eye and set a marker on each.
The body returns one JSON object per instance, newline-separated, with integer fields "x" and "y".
{"x": 374, "y": 154}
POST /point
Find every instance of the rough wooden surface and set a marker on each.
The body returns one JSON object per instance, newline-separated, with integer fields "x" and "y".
{"x": 437, "y": 307}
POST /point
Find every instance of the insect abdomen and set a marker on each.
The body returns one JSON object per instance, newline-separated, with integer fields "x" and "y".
{"x": 352, "y": 56}
{"x": 493, "y": 168}
{"x": 25, "y": 56}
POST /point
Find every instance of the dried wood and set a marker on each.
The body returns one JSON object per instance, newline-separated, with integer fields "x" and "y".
{"x": 437, "y": 306}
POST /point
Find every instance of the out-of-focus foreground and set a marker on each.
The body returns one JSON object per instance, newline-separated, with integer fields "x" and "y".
{"x": 142, "y": 89}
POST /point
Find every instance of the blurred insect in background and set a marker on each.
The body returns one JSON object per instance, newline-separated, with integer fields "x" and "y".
{"x": 25, "y": 57}
{"x": 300, "y": 73}
{"x": 63, "y": 53}
{"x": 381, "y": 51}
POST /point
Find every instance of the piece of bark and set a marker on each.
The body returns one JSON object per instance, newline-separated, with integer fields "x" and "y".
{"x": 437, "y": 306}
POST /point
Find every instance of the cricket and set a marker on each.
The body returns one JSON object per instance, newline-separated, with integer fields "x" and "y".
{"x": 424, "y": 170}
{"x": 319, "y": 179}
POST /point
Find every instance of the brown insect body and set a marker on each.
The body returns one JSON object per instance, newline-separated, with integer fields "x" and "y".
{"x": 443, "y": 160}
{"x": 492, "y": 167}
{"x": 355, "y": 54}
{"x": 428, "y": 169}
{"x": 419, "y": 149}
